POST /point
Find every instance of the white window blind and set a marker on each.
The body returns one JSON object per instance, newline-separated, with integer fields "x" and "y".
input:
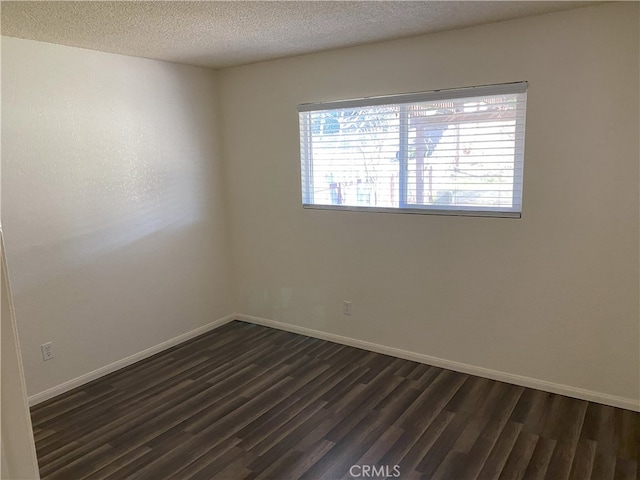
{"x": 453, "y": 152}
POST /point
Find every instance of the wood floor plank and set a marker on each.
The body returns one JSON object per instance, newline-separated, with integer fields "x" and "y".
{"x": 81, "y": 425}
{"x": 156, "y": 451}
{"x": 186, "y": 450}
{"x": 247, "y": 402}
{"x": 449, "y": 467}
{"x": 500, "y": 453}
{"x": 567, "y": 431}
{"x": 380, "y": 447}
{"x": 267, "y": 424}
{"x": 583, "y": 459}
{"x": 204, "y": 461}
{"x": 397, "y": 402}
{"x": 432, "y": 400}
{"x": 81, "y": 467}
{"x": 307, "y": 460}
{"x": 472, "y": 430}
{"x": 363, "y": 403}
{"x": 217, "y": 465}
{"x": 604, "y": 466}
{"x": 272, "y": 437}
{"x": 539, "y": 462}
{"x": 278, "y": 468}
{"x": 435, "y": 456}
{"x": 629, "y": 444}
{"x": 303, "y": 436}
{"x": 470, "y": 396}
{"x": 535, "y": 417}
{"x": 625, "y": 469}
{"x": 237, "y": 469}
{"x": 120, "y": 427}
{"x": 519, "y": 456}
{"x": 499, "y": 414}
{"x": 114, "y": 464}
{"x": 345, "y": 453}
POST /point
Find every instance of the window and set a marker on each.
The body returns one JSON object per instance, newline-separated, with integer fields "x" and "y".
{"x": 451, "y": 152}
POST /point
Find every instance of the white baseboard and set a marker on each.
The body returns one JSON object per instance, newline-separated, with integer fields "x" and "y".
{"x": 136, "y": 357}
{"x": 544, "y": 385}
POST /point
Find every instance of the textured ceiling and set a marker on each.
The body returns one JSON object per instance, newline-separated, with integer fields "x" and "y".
{"x": 221, "y": 34}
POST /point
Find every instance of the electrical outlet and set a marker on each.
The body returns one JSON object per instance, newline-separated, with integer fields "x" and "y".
{"x": 346, "y": 307}
{"x": 47, "y": 351}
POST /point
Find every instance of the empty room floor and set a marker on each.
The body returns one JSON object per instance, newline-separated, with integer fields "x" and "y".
{"x": 246, "y": 401}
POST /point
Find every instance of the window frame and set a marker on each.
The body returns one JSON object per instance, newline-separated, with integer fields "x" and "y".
{"x": 402, "y": 100}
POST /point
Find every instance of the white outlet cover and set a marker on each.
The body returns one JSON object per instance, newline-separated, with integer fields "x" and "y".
{"x": 47, "y": 351}
{"x": 346, "y": 307}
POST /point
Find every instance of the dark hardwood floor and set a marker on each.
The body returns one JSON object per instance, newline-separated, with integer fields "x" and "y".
{"x": 246, "y": 401}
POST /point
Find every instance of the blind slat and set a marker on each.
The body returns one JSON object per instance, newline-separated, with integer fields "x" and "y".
{"x": 461, "y": 148}
{"x": 418, "y": 97}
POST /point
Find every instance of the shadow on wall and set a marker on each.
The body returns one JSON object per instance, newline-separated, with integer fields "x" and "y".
{"x": 115, "y": 230}
{"x": 170, "y": 206}
{"x": 86, "y": 180}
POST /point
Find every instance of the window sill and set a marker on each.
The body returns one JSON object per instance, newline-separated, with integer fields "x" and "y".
{"x": 418, "y": 211}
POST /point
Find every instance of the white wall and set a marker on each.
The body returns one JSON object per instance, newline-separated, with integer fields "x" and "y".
{"x": 551, "y": 297}
{"x": 18, "y": 454}
{"x": 112, "y": 204}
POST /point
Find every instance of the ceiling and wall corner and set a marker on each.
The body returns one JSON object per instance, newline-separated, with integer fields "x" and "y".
{"x": 220, "y": 34}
